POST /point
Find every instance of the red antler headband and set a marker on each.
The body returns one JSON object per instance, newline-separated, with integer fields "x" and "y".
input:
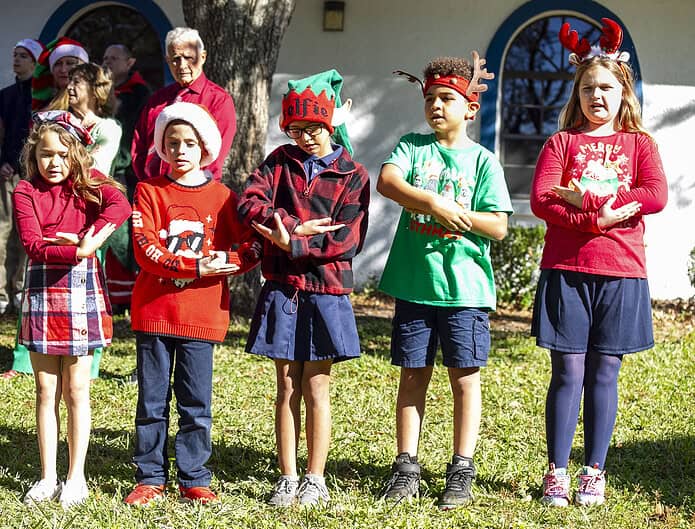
{"x": 608, "y": 47}
{"x": 468, "y": 89}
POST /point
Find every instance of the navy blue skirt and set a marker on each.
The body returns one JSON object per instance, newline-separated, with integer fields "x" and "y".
{"x": 290, "y": 324}
{"x": 576, "y": 312}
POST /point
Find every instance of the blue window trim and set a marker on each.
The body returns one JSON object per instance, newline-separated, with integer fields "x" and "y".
{"x": 147, "y": 8}
{"x": 520, "y": 18}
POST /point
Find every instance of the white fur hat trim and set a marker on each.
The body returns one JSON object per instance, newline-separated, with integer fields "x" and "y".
{"x": 200, "y": 119}
{"x": 34, "y": 47}
{"x": 67, "y": 50}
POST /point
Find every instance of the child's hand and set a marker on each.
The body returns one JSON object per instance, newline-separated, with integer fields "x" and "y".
{"x": 607, "y": 216}
{"x": 215, "y": 265}
{"x": 279, "y": 236}
{"x": 92, "y": 241}
{"x": 316, "y": 226}
{"x": 63, "y": 238}
{"x": 450, "y": 214}
{"x": 573, "y": 194}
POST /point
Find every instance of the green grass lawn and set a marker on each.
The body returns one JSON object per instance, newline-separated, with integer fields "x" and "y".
{"x": 651, "y": 462}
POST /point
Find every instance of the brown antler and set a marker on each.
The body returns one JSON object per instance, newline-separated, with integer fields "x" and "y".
{"x": 612, "y": 36}
{"x": 410, "y": 77}
{"x": 478, "y": 73}
{"x": 570, "y": 40}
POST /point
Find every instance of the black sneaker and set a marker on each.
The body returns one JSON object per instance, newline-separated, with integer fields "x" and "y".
{"x": 404, "y": 483}
{"x": 459, "y": 478}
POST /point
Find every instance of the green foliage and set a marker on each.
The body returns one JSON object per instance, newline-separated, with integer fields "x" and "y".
{"x": 691, "y": 267}
{"x": 651, "y": 461}
{"x": 515, "y": 261}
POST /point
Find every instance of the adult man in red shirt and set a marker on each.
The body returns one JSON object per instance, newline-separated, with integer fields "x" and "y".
{"x": 185, "y": 56}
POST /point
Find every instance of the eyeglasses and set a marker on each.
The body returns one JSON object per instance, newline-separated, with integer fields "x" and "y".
{"x": 296, "y": 132}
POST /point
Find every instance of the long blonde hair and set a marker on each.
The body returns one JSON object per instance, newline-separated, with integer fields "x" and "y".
{"x": 80, "y": 161}
{"x": 630, "y": 114}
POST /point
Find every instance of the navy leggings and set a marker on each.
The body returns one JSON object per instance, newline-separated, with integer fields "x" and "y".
{"x": 597, "y": 375}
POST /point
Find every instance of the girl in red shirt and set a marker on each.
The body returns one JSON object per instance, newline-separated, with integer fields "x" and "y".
{"x": 65, "y": 211}
{"x": 595, "y": 180}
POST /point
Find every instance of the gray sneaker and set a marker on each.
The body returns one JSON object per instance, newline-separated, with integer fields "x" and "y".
{"x": 284, "y": 492}
{"x": 459, "y": 479}
{"x": 404, "y": 483}
{"x": 312, "y": 490}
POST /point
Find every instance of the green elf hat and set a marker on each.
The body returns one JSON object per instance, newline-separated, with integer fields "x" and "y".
{"x": 317, "y": 98}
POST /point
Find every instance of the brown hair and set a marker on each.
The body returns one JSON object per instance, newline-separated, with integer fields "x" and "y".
{"x": 99, "y": 81}
{"x": 629, "y": 116}
{"x": 444, "y": 66}
{"x": 80, "y": 161}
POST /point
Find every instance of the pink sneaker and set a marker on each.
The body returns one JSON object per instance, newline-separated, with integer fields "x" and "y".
{"x": 592, "y": 487}
{"x": 556, "y": 487}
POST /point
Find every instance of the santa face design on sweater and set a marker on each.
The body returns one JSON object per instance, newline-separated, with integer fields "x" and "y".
{"x": 185, "y": 235}
{"x": 601, "y": 168}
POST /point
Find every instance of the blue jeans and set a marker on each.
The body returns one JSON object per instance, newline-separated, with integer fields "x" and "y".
{"x": 191, "y": 363}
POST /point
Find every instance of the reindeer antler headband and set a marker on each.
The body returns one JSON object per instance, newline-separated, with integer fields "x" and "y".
{"x": 608, "y": 46}
{"x": 468, "y": 89}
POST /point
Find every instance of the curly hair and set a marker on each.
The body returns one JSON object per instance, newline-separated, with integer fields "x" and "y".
{"x": 83, "y": 184}
{"x": 100, "y": 83}
{"x": 443, "y": 66}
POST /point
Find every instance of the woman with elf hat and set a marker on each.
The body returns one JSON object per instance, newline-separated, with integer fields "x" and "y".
{"x": 51, "y": 75}
{"x": 309, "y": 199}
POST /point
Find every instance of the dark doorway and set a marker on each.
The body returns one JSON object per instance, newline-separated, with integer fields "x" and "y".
{"x": 117, "y": 24}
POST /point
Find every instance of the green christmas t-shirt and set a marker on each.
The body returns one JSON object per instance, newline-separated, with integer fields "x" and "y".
{"x": 428, "y": 263}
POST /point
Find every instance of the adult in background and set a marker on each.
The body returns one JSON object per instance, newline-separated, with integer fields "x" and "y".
{"x": 15, "y": 115}
{"x": 51, "y": 75}
{"x": 185, "y": 56}
{"x": 89, "y": 100}
{"x": 131, "y": 93}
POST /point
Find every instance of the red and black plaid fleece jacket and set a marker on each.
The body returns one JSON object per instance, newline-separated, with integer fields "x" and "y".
{"x": 321, "y": 263}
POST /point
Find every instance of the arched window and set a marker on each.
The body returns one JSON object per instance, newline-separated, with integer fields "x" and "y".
{"x": 116, "y": 24}
{"x": 521, "y": 107}
{"x": 536, "y": 82}
{"x": 139, "y": 24}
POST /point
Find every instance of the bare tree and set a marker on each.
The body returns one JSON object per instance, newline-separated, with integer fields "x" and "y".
{"x": 243, "y": 39}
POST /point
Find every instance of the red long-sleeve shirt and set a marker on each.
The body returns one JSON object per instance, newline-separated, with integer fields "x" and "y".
{"x": 42, "y": 209}
{"x": 174, "y": 226}
{"x": 202, "y": 91}
{"x": 625, "y": 164}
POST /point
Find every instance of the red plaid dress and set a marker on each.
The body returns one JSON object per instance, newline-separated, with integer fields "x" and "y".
{"x": 65, "y": 309}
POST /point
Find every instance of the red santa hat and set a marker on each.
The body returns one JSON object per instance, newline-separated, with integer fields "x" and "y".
{"x": 67, "y": 48}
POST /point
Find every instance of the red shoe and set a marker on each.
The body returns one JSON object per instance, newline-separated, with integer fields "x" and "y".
{"x": 202, "y": 494}
{"x": 143, "y": 494}
{"x": 10, "y": 374}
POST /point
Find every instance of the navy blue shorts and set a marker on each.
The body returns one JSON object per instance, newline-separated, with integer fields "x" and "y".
{"x": 576, "y": 312}
{"x": 464, "y": 334}
{"x": 294, "y": 325}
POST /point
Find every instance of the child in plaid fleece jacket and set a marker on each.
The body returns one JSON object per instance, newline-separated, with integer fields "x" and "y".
{"x": 310, "y": 201}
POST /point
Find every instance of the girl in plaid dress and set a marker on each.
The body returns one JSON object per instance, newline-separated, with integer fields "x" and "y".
{"x": 65, "y": 211}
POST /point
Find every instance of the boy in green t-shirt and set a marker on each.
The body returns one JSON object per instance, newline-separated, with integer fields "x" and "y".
{"x": 455, "y": 201}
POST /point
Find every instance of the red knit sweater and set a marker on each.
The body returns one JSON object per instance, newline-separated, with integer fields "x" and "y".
{"x": 174, "y": 226}
{"x": 625, "y": 164}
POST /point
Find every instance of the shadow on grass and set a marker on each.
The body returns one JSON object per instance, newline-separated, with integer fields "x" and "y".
{"x": 664, "y": 467}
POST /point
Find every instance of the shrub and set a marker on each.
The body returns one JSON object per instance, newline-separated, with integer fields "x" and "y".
{"x": 691, "y": 267}
{"x": 516, "y": 261}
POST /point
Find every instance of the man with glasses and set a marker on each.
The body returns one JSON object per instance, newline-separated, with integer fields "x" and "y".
{"x": 186, "y": 56}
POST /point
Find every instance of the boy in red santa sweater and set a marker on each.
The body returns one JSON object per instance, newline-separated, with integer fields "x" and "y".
{"x": 184, "y": 227}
